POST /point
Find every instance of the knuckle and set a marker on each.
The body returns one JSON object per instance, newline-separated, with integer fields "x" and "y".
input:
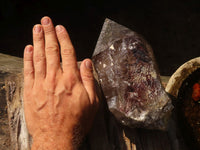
{"x": 62, "y": 36}
{"x": 40, "y": 72}
{"x": 38, "y": 37}
{"x": 88, "y": 77}
{"x": 71, "y": 81}
{"x": 50, "y": 84}
{"x": 28, "y": 58}
{"x": 71, "y": 77}
{"x": 68, "y": 52}
{"x": 51, "y": 76}
{"x": 69, "y": 86}
{"x": 49, "y": 30}
{"x": 52, "y": 50}
{"x": 28, "y": 72}
{"x": 39, "y": 58}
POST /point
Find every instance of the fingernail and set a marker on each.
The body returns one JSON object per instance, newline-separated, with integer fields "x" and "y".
{"x": 29, "y": 49}
{"x": 88, "y": 64}
{"x": 37, "y": 29}
{"x": 59, "y": 28}
{"x": 45, "y": 21}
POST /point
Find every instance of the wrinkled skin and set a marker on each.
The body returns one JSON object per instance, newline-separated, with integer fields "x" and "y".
{"x": 59, "y": 102}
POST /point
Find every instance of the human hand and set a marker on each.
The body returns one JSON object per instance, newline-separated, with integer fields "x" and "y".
{"x": 59, "y": 102}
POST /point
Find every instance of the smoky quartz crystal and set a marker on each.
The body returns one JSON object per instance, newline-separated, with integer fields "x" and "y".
{"x": 129, "y": 78}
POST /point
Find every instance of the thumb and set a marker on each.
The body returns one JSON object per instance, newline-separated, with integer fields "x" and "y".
{"x": 87, "y": 77}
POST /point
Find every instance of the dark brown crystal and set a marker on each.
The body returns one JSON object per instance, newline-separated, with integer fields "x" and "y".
{"x": 131, "y": 83}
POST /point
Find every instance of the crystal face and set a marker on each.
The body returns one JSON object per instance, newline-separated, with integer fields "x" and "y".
{"x": 131, "y": 83}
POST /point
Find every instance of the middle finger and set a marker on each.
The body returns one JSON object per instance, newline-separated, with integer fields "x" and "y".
{"x": 51, "y": 46}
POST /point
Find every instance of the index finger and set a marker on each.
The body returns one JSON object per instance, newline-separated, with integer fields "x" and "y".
{"x": 69, "y": 62}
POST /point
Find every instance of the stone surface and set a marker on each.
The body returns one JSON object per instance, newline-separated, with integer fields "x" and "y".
{"x": 4, "y": 130}
{"x": 20, "y": 137}
{"x": 10, "y": 64}
{"x": 129, "y": 78}
{"x": 11, "y": 79}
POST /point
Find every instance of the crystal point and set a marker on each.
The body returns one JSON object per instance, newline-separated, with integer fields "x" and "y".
{"x": 129, "y": 78}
